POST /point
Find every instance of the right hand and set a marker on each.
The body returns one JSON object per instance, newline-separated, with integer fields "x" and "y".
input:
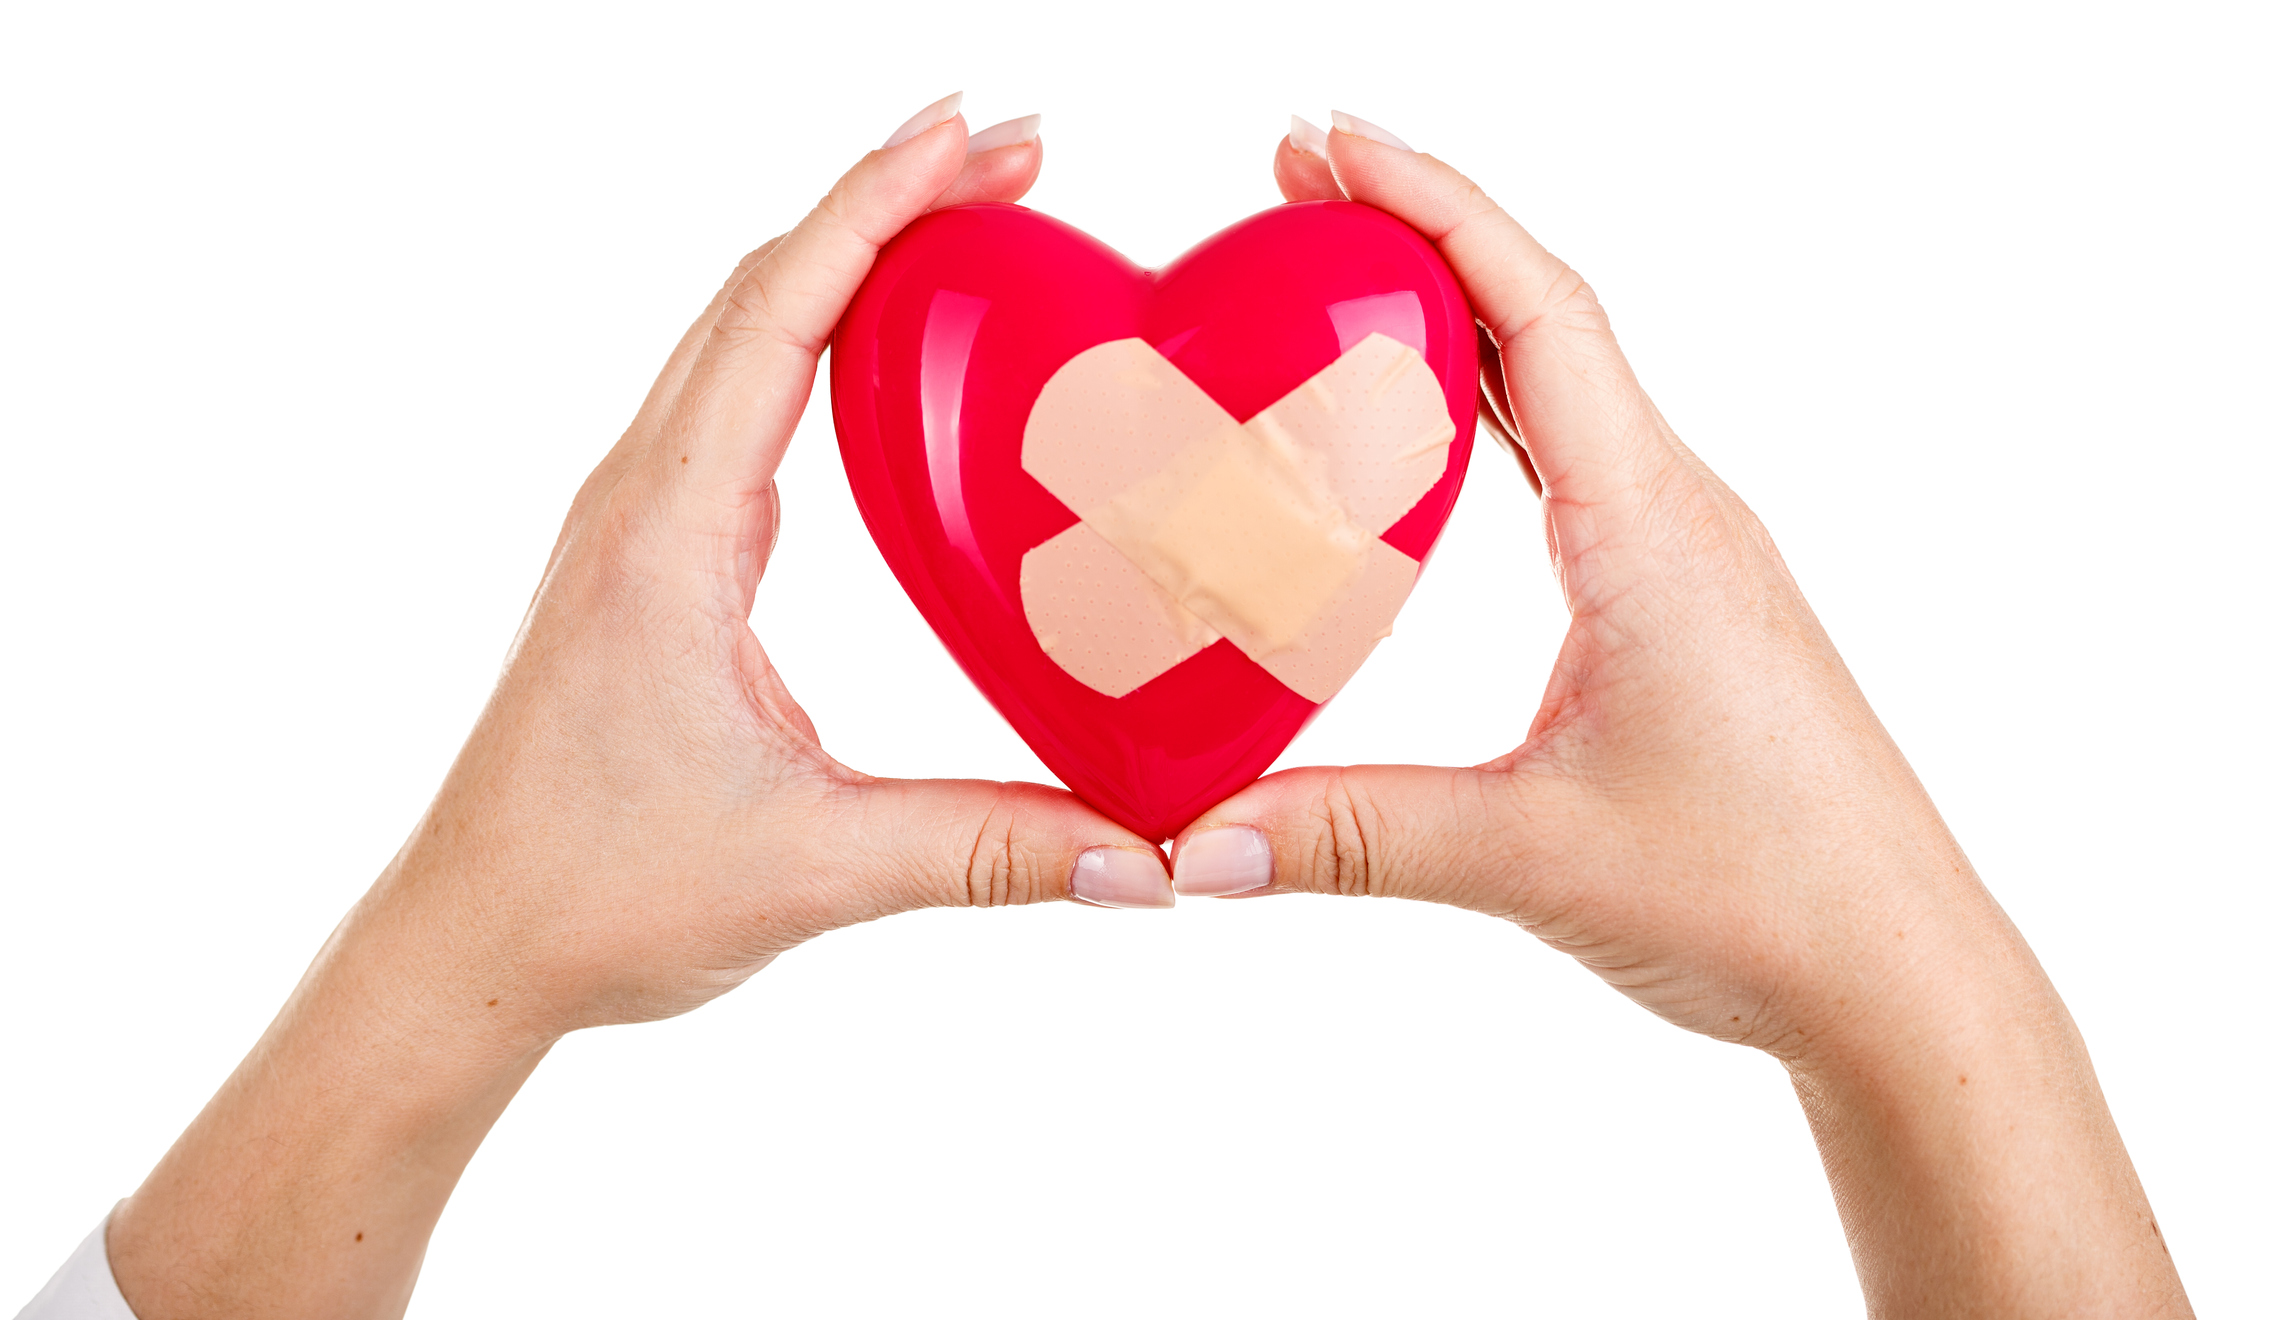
{"x": 1704, "y": 811}
{"x": 1707, "y": 814}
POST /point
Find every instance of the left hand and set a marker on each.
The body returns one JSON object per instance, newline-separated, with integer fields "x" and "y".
{"x": 642, "y": 818}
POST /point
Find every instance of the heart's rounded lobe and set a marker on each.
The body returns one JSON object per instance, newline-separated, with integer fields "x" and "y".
{"x": 936, "y": 366}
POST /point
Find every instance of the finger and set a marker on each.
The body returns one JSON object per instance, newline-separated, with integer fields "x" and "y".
{"x": 672, "y": 379}
{"x": 757, "y": 547}
{"x": 646, "y": 422}
{"x": 1303, "y": 172}
{"x": 1598, "y": 446}
{"x": 1493, "y": 409}
{"x": 915, "y": 843}
{"x": 722, "y": 438}
{"x": 1384, "y": 831}
{"x": 1000, "y": 165}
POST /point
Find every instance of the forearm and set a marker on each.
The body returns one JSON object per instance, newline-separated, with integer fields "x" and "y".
{"x": 1971, "y": 1153}
{"x": 312, "y": 1181}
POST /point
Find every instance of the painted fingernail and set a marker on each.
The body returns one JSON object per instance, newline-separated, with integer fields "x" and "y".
{"x": 1307, "y": 137}
{"x": 1356, "y": 127}
{"x": 1122, "y": 878}
{"x": 1008, "y": 133}
{"x": 927, "y": 118}
{"x": 1230, "y": 860}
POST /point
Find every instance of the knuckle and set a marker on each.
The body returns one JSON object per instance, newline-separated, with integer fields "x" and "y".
{"x": 1346, "y": 857}
{"x": 604, "y": 573}
{"x": 1754, "y": 532}
{"x": 1571, "y": 303}
{"x": 750, "y": 260}
{"x": 1470, "y": 205}
{"x": 744, "y": 295}
{"x": 749, "y": 309}
{"x": 1563, "y": 301}
{"x": 1000, "y": 869}
{"x": 1583, "y": 311}
{"x": 832, "y": 211}
{"x": 760, "y": 307}
{"x": 1473, "y": 205}
{"x": 1696, "y": 520}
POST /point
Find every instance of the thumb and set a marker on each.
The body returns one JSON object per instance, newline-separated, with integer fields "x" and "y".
{"x": 918, "y": 843}
{"x": 1385, "y": 831}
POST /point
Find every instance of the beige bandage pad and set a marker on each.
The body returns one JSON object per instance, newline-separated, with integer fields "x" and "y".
{"x": 1194, "y": 526}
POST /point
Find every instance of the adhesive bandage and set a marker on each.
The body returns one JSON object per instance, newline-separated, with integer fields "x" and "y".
{"x": 1196, "y": 527}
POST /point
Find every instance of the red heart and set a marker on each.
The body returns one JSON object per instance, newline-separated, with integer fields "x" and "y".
{"x": 937, "y": 364}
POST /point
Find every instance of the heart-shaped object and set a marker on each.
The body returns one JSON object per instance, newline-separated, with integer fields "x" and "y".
{"x": 1157, "y": 516}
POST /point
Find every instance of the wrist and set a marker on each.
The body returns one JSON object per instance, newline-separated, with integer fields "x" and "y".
{"x": 314, "y": 1177}
{"x": 1921, "y": 988}
{"x": 1971, "y": 1153}
{"x": 433, "y": 954}
{"x": 1888, "y": 952}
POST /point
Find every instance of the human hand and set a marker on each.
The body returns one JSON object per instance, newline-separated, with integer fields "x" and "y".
{"x": 644, "y": 815}
{"x": 642, "y": 818}
{"x": 1704, "y": 795}
{"x": 1707, "y": 814}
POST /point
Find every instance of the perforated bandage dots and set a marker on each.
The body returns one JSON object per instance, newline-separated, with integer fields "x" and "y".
{"x": 1195, "y": 527}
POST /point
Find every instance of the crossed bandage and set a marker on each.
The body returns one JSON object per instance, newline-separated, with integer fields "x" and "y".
{"x": 1197, "y": 527}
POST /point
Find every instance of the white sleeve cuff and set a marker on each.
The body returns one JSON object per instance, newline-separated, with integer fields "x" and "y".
{"x": 83, "y": 1289}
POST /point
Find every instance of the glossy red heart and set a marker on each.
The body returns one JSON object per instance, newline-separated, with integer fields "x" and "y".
{"x": 938, "y": 363}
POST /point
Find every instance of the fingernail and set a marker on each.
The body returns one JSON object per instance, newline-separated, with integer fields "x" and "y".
{"x": 1356, "y": 127}
{"x": 1307, "y": 137}
{"x": 1231, "y": 860}
{"x": 929, "y": 117}
{"x": 1008, "y": 133}
{"x": 1122, "y": 878}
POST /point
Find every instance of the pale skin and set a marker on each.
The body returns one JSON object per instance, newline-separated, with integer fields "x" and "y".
{"x": 1705, "y": 812}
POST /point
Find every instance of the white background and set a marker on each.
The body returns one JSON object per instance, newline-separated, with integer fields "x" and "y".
{"x": 314, "y": 317}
